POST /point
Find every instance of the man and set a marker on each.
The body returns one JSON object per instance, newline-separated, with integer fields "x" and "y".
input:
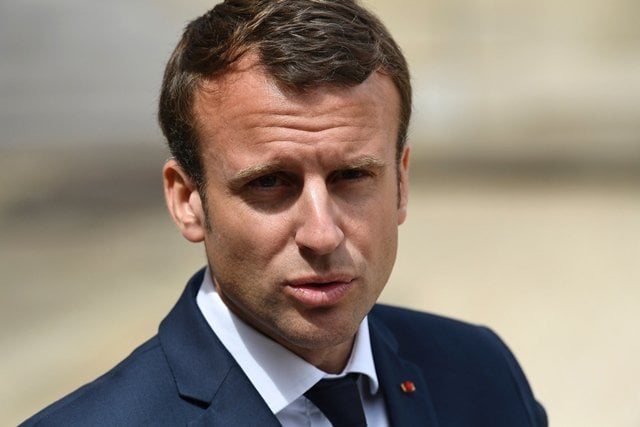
{"x": 287, "y": 123}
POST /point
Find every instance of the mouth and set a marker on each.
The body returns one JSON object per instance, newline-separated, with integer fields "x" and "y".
{"x": 319, "y": 292}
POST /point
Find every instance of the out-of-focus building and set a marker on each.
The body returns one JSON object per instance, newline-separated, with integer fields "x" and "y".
{"x": 494, "y": 80}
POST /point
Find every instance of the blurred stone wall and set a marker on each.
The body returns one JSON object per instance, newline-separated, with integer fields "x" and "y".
{"x": 494, "y": 80}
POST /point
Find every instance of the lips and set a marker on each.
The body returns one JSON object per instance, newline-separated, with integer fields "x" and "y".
{"x": 320, "y": 291}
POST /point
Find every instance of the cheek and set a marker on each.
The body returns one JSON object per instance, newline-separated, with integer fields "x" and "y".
{"x": 375, "y": 232}
{"x": 245, "y": 236}
{"x": 382, "y": 234}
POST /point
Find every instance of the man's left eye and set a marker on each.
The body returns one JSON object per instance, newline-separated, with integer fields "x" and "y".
{"x": 351, "y": 174}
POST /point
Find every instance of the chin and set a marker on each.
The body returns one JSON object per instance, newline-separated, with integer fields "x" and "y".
{"x": 328, "y": 335}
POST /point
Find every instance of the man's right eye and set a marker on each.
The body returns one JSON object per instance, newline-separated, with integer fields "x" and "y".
{"x": 267, "y": 181}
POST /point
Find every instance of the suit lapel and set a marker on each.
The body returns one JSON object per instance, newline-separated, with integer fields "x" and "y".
{"x": 205, "y": 373}
{"x": 236, "y": 403}
{"x": 404, "y": 408}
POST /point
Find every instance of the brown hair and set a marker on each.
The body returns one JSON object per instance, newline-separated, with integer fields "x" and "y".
{"x": 302, "y": 44}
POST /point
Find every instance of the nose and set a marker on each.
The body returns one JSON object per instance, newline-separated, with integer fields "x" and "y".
{"x": 318, "y": 228}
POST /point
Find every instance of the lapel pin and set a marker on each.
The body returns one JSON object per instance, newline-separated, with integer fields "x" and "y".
{"x": 408, "y": 387}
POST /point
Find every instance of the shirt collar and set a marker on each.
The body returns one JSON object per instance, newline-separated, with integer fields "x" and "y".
{"x": 279, "y": 375}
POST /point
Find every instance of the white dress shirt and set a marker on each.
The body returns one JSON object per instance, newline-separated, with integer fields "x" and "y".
{"x": 280, "y": 376}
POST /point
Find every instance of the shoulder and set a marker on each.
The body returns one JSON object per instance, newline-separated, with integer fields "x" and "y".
{"x": 463, "y": 364}
{"x": 449, "y": 343}
{"x": 404, "y": 317}
{"x": 131, "y": 393}
{"x": 411, "y": 328}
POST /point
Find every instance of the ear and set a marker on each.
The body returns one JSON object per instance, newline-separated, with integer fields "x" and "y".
{"x": 184, "y": 202}
{"x": 403, "y": 185}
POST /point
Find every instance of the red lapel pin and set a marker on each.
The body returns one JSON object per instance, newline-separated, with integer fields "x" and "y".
{"x": 408, "y": 387}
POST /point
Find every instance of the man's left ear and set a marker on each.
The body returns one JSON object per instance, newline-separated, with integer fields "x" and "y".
{"x": 403, "y": 185}
{"x": 184, "y": 202}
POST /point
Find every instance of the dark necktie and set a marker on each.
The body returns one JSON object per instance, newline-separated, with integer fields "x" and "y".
{"x": 339, "y": 400}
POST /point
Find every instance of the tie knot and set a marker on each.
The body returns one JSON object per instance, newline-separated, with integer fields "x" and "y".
{"x": 339, "y": 400}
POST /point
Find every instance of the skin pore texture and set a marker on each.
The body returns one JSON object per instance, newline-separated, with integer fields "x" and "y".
{"x": 304, "y": 198}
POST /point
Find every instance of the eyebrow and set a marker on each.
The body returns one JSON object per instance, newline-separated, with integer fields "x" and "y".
{"x": 251, "y": 172}
{"x": 365, "y": 162}
{"x": 254, "y": 171}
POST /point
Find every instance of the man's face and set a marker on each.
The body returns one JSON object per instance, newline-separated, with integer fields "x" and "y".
{"x": 303, "y": 202}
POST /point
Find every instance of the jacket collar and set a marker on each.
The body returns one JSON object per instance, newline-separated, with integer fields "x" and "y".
{"x": 405, "y": 406}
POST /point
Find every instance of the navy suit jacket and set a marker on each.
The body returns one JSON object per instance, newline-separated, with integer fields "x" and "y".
{"x": 463, "y": 375}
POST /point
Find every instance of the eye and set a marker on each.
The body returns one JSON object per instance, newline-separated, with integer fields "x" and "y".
{"x": 277, "y": 181}
{"x": 270, "y": 192}
{"x": 267, "y": 181}
{"x": 350, "y": 174}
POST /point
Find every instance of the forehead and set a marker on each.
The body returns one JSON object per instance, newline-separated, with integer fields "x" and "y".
{"x": 246, "y": 93}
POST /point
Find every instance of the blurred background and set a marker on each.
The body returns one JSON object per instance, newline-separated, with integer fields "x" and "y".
{"x": 524, "y": 213}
